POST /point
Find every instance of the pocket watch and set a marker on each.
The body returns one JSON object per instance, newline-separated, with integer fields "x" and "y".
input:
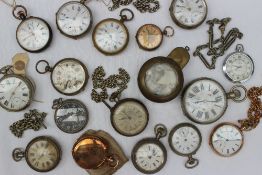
{"x": 69, "y": 76}
{"x": 204, "y": 100}
{"x": 111, "y": 36}
{"x": 188, "y": 14}
{"x": 161, "y": 79}
{"x": 33, "y": 34}
{"x": 71, "y": 116}
{"x": 42, "y": 154}
{"x": 129, "y": 117}
{"x": 74, "y": 19}
{"x": 185, "y": 140}
{"x": 238, "y": 66}
{"x": 149, "y": 155}
{"x": 149, "y": 36}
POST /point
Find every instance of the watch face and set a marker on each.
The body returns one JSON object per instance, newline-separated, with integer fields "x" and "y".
{"x": 185, "y": 139}
{"x": 226, "y": 139}
{"x": 43, "y": 154}
{"x": 110, "y": 36}
{"x": 71, "y": 116}
{"x": 204, "y": 101}
{"x": 74, "y": 19}
{"x": 33, "y": 34}
{"x": 238, "y": 67}
{"x": 149, "y": 37}
{"x": 15, "y": 92}
{"x": 188, "y": 13}
{"x": 149, "y": 156}
{"x": 129, "y": 117}
{"x": 69, "y": 76}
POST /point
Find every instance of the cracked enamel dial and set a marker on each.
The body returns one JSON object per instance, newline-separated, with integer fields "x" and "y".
{"x": 204, "y": 101}
{"x": 74, "y": 19}
{"x": 130, "y": 117}
{"x": 189, "y": 13}
{"x": 33, "y": 34}
{"x": 15, "y": 92}
{"x": 226, "y": 139}
{"x": 69, "y": 76}
{"x": 43, "y": 154}
{"x": 110, "y": 36}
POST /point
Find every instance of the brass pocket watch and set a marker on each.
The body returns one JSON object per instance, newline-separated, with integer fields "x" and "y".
{"x": 74, "y": 19}
{"x": 185, "y": 140}
{"x": 111, "y": 36}
{"x": 42, "y": 154}
{"x": 204, "y": 100}
{"x": 69, "y": 76}
{"x": 71, "y": 116}
{"x": 161, "y": 79}
{"x": 129, "y": 117}
{"x": 149, "y": 36}
{"x": 149, "y": 155}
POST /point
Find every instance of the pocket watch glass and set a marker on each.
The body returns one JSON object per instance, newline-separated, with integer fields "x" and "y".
{"x": 43, "y": 154}
{"x": 204, "y": 101}
{"x": 69, "y": 76}
{"x": 74, "y": 18}
{"x": 188, "y": 13}
{"x": 71, "y": 116}
{"x": 238, "y": 67}
{"x": 130, "y": 118}
{"x": 161, "y": 79}
{"x": 33, "y": 34}
{"x": 110, "y": 36}
{"x": 15, "y": 93}
{"x": 226, "y": 140}
{"x": 149, "y": 36}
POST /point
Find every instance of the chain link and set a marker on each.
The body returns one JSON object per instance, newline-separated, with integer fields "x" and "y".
{"x": 7, "y": 70}
{"x": 118, "y": 3}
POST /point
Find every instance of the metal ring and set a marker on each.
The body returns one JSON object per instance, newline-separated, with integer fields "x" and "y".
{"x": 18, "y": 154}
{"x": 191, "y": 163}
{"x": 236, "y": 99}
{"x": 113, "y": 161}
{"x": 125, "y": 17}
{"x": 160, "y": 131}
{"x": 171, "y": 31}
{"x": 47, "y": 68}
{"x": 187, "y": 48}
{"x": 240, "y": 48}
{"x": 21, "y": 14}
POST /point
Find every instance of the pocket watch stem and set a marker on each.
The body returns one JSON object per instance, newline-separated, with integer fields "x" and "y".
{"x": 160, "y": 131}
{"x": 18, "y": 154}
{"x": 191, "y": 162}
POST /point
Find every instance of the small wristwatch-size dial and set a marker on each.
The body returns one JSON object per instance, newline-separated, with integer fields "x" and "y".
{"x": 188, "y": 13}
{"x": 74, "y": 19}
{"x": 226, "y": 139}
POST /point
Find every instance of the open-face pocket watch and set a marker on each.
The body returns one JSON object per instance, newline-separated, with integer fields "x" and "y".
{"x": 149, "y": 36}
{"x": 71, "y": 116}
{"x": 185, "y": 140}
{"x": 188, "y": 14}
{"x": 238, "y": 66}
{"x": 204, "y": 100}
{"x": 149, "y": 155}
{"x": 74, "y": 19}
{"x": 69, "y": 76}
{"x": 42, "y": 154}
{"x": 129, "y": 117}
{"x": 111, "y": 36}
{"x": 161, "y": 79}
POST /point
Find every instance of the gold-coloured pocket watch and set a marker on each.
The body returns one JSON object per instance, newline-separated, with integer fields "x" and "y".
{"x": 161, "y": 79}
{"x": 149, "y": 36}
{"x": 69, "y": 76}
{"x": 42, "y": 154}
{"x": 111, "y": 36}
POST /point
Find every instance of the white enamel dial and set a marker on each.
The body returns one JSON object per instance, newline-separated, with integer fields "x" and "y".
{"x": 74, "y": 18}
{"x": 204, "y": 101}
{"x": 15, "y": 93}
{"x": 227, "y": 140}
{"x": 130, "y": 118}
{"x": 69, "y": 76}
{"x": 189, "y": 13}
{"x": 33, "y": 34}
{"x": 110, "y": 36}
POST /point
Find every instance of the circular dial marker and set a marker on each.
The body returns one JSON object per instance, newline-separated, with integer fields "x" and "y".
{"x": 226, "y": 139}
{"x": 33, "y": 34}
{"x": 204, "y": 101}
{"x": 74, "y": 19}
